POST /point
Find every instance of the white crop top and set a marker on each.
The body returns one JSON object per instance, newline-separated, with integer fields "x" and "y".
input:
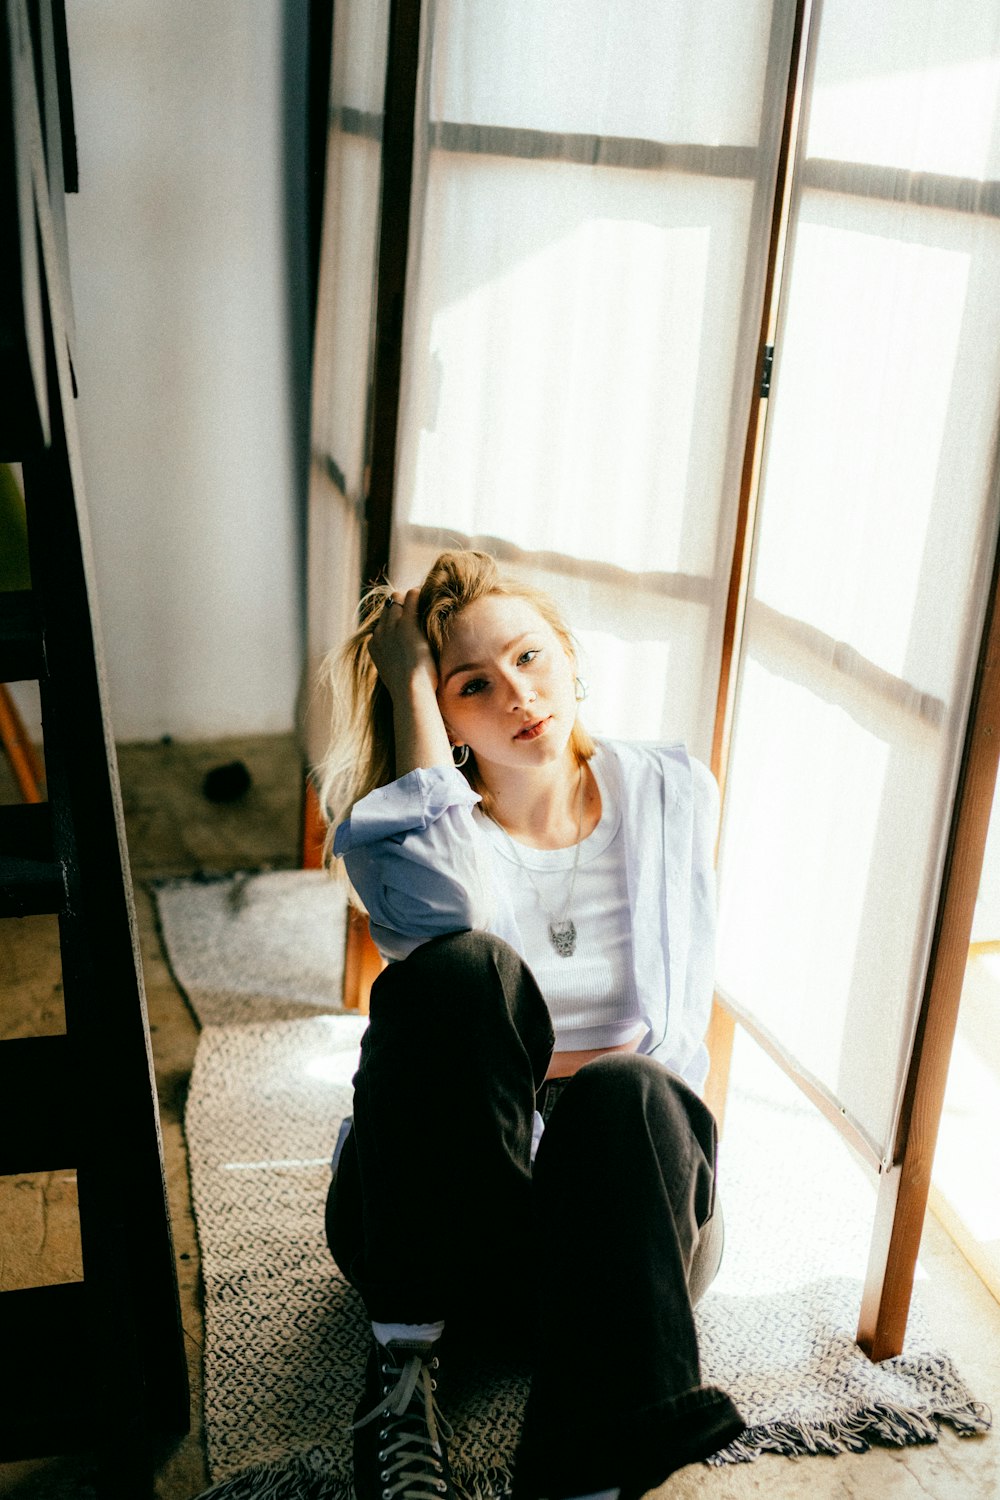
{"x": 591, "y": 995}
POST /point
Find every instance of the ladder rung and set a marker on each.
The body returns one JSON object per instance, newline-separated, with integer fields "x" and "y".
{"x": 26, "y": 831}
{"x": 22, "y": 648}
{"x": 44, "y": 1334}
{"x": 31, "y": 880}
{"x": 39, "y": 1115}
{"x": 30, "y": 887}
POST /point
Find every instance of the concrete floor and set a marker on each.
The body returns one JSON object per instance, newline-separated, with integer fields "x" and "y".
{"x": 172, "y": 829}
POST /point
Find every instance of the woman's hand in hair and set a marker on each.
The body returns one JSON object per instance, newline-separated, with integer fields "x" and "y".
{"x": 405, "y": 665}
{"x": 399, "y": 648}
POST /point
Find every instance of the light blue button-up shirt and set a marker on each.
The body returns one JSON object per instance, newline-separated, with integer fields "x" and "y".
{"x": 422, "y": 866}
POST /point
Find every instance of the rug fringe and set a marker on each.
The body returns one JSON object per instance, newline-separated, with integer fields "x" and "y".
{"x": 312, "y": 1476}
{"x": 307, "y": 1476}
{"x": 854, "y": 1431}
{"x": 496, "y": 1483}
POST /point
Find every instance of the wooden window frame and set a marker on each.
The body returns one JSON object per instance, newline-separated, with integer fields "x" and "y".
{"x": 904, "y": 1179}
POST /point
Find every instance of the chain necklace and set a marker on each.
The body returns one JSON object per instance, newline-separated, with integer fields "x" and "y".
{"x": 562, "y": 928}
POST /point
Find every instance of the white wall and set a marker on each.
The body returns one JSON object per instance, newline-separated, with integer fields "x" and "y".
{"x": 177, "y": 253}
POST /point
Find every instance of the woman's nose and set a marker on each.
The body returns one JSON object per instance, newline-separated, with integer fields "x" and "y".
{"x": 521, "y": 694}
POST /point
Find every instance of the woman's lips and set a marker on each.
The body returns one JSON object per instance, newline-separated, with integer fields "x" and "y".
{"x": 532, "y": 731}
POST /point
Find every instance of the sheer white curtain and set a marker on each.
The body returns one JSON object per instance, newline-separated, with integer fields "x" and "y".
{"x": 343, "y": 349}
{"x": 593, "y": 192}
{"x": 876, "y": 529}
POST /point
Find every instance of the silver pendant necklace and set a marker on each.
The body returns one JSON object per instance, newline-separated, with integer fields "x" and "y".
{"x": 562, "y": 928}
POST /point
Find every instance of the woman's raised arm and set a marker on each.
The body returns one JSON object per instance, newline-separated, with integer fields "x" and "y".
{"x": 403, "y": 658}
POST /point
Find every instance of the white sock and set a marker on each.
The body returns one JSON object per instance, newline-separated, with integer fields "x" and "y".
{"x": 425, "y": 1332}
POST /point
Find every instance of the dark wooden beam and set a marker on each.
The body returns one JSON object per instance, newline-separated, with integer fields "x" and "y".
{"x": 393, "y": 249}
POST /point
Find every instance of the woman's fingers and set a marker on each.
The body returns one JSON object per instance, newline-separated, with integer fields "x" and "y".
{"x": 405, "y": 603}
{"x": 396, "y": 623}
{"x": 398, "y": 646}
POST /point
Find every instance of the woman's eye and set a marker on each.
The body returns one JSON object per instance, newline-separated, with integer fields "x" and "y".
{"x": 528, "y": 656}
{"x": 472, "y": 687}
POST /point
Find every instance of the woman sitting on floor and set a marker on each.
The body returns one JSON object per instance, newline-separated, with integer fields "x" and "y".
{"x": 529, "y": 1156}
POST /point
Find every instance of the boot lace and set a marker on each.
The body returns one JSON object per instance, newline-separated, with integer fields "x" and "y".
{"x": 411, "y": 1451}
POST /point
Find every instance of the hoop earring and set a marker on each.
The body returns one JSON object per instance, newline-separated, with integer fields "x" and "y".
{"x": 459, "y": 754}
{"x": 581, "y": 690}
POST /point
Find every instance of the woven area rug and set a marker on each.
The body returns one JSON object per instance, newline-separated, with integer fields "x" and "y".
{"x": 286, "y": 1337}
{"x": 255, "y": 947}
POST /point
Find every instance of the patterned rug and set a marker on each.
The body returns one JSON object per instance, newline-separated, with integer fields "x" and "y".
{"x": 255, "y": 947}
{"x": 286, "y": 1337}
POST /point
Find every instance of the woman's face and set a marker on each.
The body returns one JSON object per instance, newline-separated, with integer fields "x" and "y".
{"x": 506, "y": 686}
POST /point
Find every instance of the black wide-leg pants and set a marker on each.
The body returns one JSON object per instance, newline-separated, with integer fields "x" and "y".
{"x": 598, "y": 1252}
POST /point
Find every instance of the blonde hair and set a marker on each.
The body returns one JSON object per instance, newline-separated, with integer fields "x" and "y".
{"x": 362, "y": 751}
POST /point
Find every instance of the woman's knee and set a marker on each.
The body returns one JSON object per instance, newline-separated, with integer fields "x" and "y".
{"x": 468, "y": 953}
{"x": 624, "y": 1106}
{"x": 464, "y": 979}
{"x": 617, "y": 1077}
{"x": 622, "y": 1085}
{"x": 455, "y": 968}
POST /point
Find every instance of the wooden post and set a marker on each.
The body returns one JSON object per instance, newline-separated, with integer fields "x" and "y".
{"x": 904, "y": 1186}
{"x": 721, "y": 1034}
{"x": 362, "y": 960}
{"x": 313, "y": 829}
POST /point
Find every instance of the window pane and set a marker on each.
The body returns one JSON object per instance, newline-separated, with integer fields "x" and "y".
{"x": 888, "y": 372}
{"x": 359, "y": 46}
{"x": 580, "y": 327}
{"x": 669, "y": 71}
{"x": 908, "y": 83}
{"x": 833, "y": 804}
{"x": 344, "y": 320}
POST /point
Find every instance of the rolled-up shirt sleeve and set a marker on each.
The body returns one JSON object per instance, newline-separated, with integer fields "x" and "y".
{"x": 416, "y": 859}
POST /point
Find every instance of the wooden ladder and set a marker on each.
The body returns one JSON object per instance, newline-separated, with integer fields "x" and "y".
{"x": 96, "y": 1364}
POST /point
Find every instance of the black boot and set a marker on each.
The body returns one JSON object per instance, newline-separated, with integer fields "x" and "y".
{"x": 399, "y": 1434}
{"x": 563, "y": 1453}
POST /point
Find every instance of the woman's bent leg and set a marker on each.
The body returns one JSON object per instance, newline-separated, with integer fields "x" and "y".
{"x": 429, "y": 1209}
{"x": 624, "y": 1225}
